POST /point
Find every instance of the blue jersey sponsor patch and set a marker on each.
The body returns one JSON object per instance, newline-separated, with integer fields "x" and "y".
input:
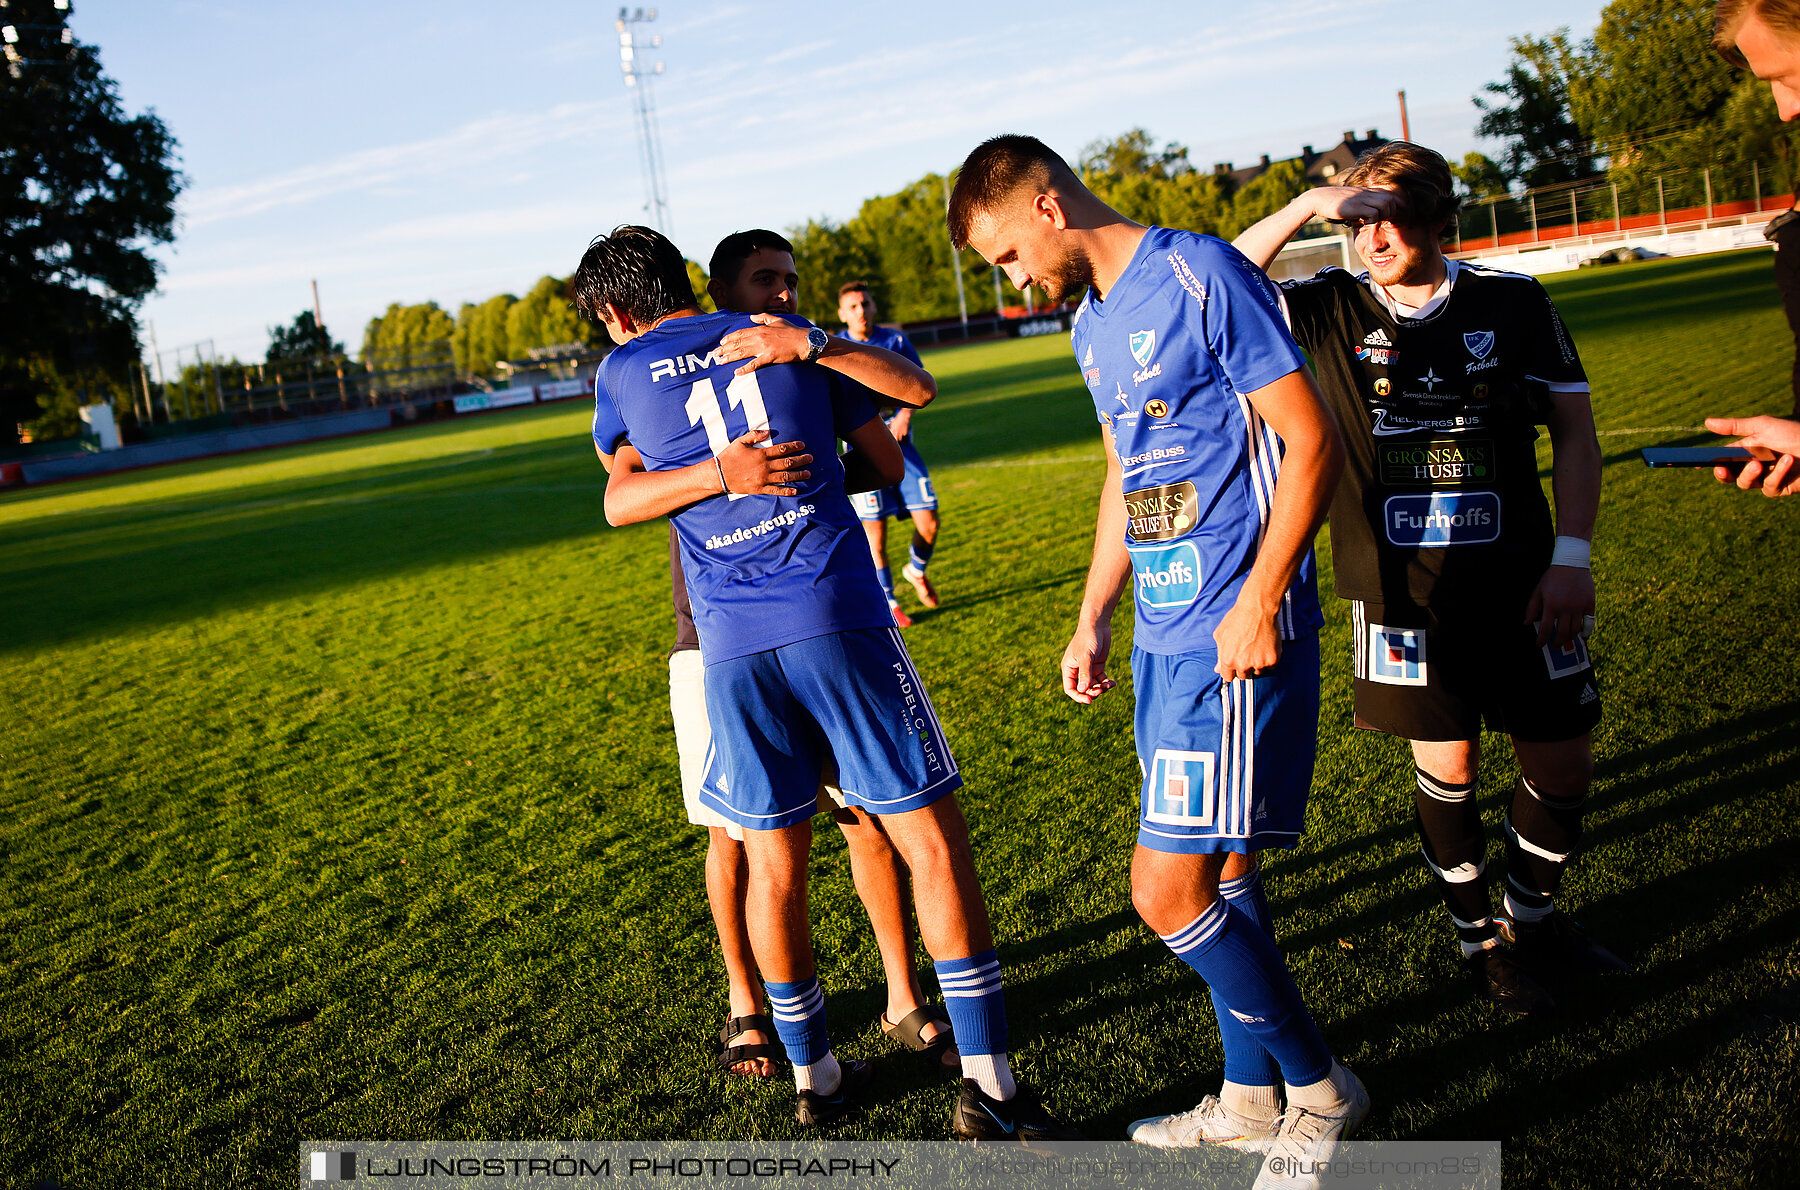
{"x": 1570, "y": 657}
{"x": 1166, "y": 576}
{"x": 1442, "y": 518}
{"x": 1180, "y": 785}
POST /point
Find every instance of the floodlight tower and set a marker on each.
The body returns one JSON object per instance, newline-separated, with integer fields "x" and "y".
{"x": 22, "y": 39}
{"x": 638, "y": 73}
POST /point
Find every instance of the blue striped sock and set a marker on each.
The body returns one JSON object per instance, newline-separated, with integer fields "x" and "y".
{"x": 1247, "y": 1063}
{"x": 799, "y": 1012}
{"x": 886, "y": 578}
{"x": 1239, "y": 962}
{"x": 920, "y": 553}
{"x": 975, "y": 1002}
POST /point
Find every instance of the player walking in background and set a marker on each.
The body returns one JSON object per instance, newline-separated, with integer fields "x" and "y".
{"x": 1467, "y": 603}
{"x": 804, "y": 665}
{"x": 747, "y": 1043}
{"x": 913, "y": 496}
{"x": 1221, "y": 459}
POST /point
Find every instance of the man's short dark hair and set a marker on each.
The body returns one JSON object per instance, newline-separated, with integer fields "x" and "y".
{"x": 995, "y": 171}
{"x": 1421, "y": 175}
{"x": 636, "y": 269}
{"x": 729, "y": 257}
{"x": 849, "y": 287}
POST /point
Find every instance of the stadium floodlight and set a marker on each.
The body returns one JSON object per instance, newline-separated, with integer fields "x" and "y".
{"x": 10, "y": 34}
{"x": 638, "y": 72}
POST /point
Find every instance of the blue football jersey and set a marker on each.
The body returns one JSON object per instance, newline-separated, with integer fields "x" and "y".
{"x": 1190, "y": 327}
{"x": 896, "y": 342}
{"x": 762, "y": 571}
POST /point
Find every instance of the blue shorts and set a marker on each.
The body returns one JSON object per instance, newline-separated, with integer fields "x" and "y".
{"x": 782, "y": 717}
{"x": 913, "y": 493}
{"x": 1226, "y": 767}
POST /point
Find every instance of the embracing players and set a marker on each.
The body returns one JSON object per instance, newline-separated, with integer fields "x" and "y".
{"x": 1468, "y": 605}
{"x": 913, "y": 496}
{"x": 1221, "y": 459}
{"x": 753, "y": 272}
{"x": 804, "y": 667}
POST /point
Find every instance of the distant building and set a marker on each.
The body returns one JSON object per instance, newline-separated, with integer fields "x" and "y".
{"x": 1322, "y": 169}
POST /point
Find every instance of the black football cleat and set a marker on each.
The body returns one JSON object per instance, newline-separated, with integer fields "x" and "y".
{"x": 1497, "y": 975}
{"x": 1022, "y": 1117}
{"x": 1559, "y": 943}
{"x": 811, "y": 1109}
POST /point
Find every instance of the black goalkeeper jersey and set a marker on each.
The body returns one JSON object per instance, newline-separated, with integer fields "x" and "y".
{"x": 1440, "y": 503}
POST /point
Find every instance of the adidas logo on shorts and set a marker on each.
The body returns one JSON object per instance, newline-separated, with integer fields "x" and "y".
{"x": 1588, "y": 694}
{"x": 1377, "y": 338}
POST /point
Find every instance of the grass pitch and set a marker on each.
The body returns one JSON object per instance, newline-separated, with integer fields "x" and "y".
{"x": 338, "y": 799}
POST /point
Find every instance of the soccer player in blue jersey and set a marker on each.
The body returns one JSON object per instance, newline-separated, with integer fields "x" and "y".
{"x": 1221, "y": 459}
{"x": 804, "y": 665}
{"x": 913, "y": 496}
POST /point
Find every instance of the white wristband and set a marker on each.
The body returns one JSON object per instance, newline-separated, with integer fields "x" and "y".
{"x": 1572, "y": 551}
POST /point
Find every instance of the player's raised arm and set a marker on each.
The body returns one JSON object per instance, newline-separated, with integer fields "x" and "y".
{"x": 1248, "y": 638}
{"x": 635, "y": 494}
{"x": 1262, "y": 241}
{"x": 778, "y": 341}
{"x": 1109, "y": 574}
{"x": 874, "y": 460}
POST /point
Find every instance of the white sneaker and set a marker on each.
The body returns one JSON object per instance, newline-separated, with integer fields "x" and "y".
{"x": 1208, "y": 1123}
{"x": 1305, "y": 1141}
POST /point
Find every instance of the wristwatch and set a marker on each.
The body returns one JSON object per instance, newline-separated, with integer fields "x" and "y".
{"x": 816, "y": 343}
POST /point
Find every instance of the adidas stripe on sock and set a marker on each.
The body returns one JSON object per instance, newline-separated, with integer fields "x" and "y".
{"x": 976, "y": 1004}
{"x": 799, "y": 1012}
{"x": 1239, "y": 962}
{"x": 920, "y": 553}
{"x": 1455, "y": 849}
{"x": 1541, "y": 833}
{"x": 1247, "y": 1063}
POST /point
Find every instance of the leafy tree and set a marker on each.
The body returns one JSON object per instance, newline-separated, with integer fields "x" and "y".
{"x": 1480, "y": 177}
{"x": 408, "y": 337}
{"x": 480, "y": 339}
{"x": 697, "y": 278}
{"x": 85, "y": 191}
{"x": 543, "y": 318}
{"x": 1650, "y": 71}
{"x": 1544, "y": 145}
{"x": 304, "y": 339}
{"x": 1265, "y": 194}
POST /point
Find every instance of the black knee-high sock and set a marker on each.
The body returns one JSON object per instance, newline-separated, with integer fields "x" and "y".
{"x": 1455, "y": 849}
{"x": 1541, "y": 832}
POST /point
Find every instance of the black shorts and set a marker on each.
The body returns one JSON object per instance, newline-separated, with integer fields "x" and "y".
{"x": 1432, "y": 677}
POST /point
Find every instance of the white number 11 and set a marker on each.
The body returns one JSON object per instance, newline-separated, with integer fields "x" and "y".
{"x": 703, "y": 408}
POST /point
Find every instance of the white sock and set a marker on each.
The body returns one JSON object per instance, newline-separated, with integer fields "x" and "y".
{"x": 992, "y": 1073}
{"x": 1329, "y": 1092}
{"x": 822, "y": 1077}
{"x": 1469, "y": 948}
{"x": 1253, "y": 1103}
{"x": 1520, "y": 911}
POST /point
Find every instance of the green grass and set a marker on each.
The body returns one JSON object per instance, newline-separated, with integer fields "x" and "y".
{"x": 338, "y": 799}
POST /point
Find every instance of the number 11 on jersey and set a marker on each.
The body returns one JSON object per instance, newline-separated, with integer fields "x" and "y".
{"x": 703, "y": 408}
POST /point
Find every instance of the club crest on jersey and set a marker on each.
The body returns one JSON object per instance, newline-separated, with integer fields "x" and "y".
{"x": 1166, "y": 576}
{"x": 1179, "y": 791}
{"x": 1442, "y": 519}
{"x": 1570, "y": 657}
{"x": 1143, "y": 346}
{"x": 1479, "y": 343}
{"x": 682, "y": 365}
{"x": 1396, "y": 656}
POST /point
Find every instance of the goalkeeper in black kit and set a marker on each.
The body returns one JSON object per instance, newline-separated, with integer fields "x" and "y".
{"x": 1470, "y": 602}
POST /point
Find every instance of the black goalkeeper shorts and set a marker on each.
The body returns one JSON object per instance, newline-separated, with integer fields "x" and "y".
{"x": 1431, "y": 677}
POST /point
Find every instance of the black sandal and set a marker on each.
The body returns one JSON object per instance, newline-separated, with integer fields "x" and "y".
{"x": 728, "y": 1055}
{"x": 908, "y": 1032}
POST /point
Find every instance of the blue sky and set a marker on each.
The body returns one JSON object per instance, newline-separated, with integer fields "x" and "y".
{"x": 405, "y": 151}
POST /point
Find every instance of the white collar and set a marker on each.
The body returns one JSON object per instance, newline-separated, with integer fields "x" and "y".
{"x": 1432, "y": 304}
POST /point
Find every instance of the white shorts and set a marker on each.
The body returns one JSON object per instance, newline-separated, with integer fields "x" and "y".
{"x": 693, "y": 738}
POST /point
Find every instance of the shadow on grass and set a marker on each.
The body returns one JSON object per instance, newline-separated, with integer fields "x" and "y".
{"x": 85, "y": 574}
